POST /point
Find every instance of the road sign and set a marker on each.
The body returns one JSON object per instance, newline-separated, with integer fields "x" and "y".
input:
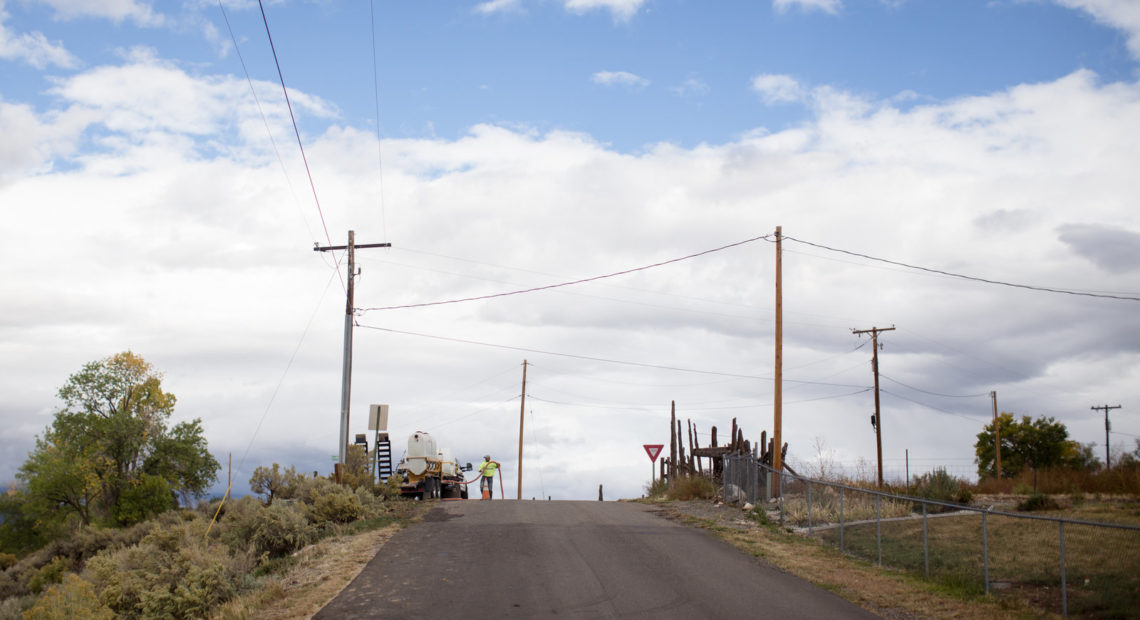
{"x": 653, "y": 449}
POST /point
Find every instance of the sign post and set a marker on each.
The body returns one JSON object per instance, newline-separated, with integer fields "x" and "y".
{"x": 652, "y": 449}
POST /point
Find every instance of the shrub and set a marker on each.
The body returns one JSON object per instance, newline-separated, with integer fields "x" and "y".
{"x": 940, "y": 486}
{"x": 690, "y": 487}
{"x": 1038, "y": 502}
{"x": 279, "y": 529}
{"x": 6, "y": 560}
{"x": 74, "y": 598}
{"x": 172, "y": 573}
{"x": 657, "y": 488}
{"x": 327, "y": 502}
{"x": 51, "y": 573}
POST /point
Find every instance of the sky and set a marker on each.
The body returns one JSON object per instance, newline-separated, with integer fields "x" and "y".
{"x": 964, "y": 172}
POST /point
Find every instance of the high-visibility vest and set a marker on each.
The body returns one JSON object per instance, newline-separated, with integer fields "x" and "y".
{"x": 487, "y": 468}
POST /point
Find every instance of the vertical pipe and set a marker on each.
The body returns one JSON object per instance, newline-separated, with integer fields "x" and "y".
{"x": 925, "y": 542}
{"x": 809, "y": 506}
{"x": 1064, "y": 586}
{"x": 841, "y": 518}
{"x": 879, "y": 526}
{"x": 986, "y": 553}
{"x": 780, "y": 480}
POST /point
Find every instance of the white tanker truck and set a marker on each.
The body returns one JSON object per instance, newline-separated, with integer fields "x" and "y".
{"x": 430, "y": 473}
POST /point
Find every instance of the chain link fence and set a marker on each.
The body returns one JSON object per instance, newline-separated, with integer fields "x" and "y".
{"x": 1066, "y": 566}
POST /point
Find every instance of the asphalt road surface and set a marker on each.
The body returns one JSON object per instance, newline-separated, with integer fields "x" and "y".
{"x": 534, "y": 559}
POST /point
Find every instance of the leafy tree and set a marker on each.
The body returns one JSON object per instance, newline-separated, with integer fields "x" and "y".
{"x": 1035, "y": 444}
{"x": 109, "y": 452}
{"x": 275, "y": 483}
{"x": 18, "y": 531}
{"x": 1080, "y": 456}
{"x": 1011, "y": 462}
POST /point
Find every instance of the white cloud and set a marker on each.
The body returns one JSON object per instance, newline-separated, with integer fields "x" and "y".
{"x": 139, "y": 12}
{"x": 1121, "y": 14}
{"x": 776, "y": 88}
{"x": 619, "y": 78}
{"x": 691, "y": 87}
{"x": 826, "y": 6}
{"x": 498, "y": 6}
{"x": 622, "y": 10}
{"x": 32, "y": 47}
{"x": 179, "y": 239}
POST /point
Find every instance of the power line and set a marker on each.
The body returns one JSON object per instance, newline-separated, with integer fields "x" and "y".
{"x": 261, "y": 111}
{"x": 965, "y": 417}
{"x": 965, "y": 277}
{"x": 586, "y": 295}
{"x": 376, "y": 94}
{"x": 285, "y": 373}
{"x": 296, "y": 129}
{"x": 582, "y": 281}
{"x": 932, "y": 393}
{"x": 600, "y": 359}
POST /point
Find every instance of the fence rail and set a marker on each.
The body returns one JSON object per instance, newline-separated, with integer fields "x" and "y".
{"x": 1065, "y": 565}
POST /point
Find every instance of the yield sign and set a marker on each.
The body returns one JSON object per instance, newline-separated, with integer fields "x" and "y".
{"x": 653, "y": 450}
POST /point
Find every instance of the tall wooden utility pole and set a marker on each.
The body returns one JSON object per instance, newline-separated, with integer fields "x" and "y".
{"x": 349, "y": 311}
{"x": 997, "y": 437}
{"x": 522, "y": 409}
{"x": 778, "y": 397}
{"x": 1107, "y": 426}
{"x": 874, "y": 331}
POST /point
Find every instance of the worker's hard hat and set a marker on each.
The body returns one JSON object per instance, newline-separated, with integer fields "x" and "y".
{"x": 487, "y": 456}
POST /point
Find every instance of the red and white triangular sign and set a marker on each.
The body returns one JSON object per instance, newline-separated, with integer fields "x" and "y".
{"x": 653, "y": 449}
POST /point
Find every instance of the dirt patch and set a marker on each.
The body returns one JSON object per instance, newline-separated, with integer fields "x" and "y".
{"x": 889, "y": 593}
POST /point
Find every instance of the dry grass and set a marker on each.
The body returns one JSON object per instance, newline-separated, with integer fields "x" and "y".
{"x": 1102, "y": 564}
{"x": 825, "y": 507}
{"x": 890, "y": 593}
{"x": 316, "y": 574}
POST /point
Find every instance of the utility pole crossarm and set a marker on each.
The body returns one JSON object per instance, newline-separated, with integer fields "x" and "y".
{"x": 329, "y": 248}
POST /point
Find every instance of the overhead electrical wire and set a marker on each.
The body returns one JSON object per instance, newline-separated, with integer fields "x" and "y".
{"x": 921, "y": 404}
{"x": 261, "y": 111}
{"x": 296, "y": 129}
{"x": 285, "y": 373}
{"x": 562, "y": 284}
{"x": 550, "y": 275}
{"x": 933, "y": 393}
{"x": 598, "y": 359}
{"x": 963, "y": 276}
{"x": 376, "y": 94}
{"x": 586, "y": 295}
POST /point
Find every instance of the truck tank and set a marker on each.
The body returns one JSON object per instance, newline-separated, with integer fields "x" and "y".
{"x": 421, "y": 447}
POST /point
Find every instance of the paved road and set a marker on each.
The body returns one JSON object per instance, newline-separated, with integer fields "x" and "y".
{"x": 528, "y": 559}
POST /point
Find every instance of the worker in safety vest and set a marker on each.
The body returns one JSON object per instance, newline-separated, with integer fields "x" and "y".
{"x": 488, "y": 468}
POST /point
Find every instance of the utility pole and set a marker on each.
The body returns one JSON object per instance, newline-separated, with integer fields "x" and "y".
{"x": 522, "y": 409}
{"x": 1107, "y": 426}
{"x": 778, "y": 398}
{"x": 349, "y": 312}
{"x": 997, "y": 436}
{"x": 874, "y": 331}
